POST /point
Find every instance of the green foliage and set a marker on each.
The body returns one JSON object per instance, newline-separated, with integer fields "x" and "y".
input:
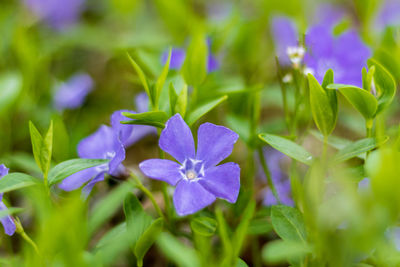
{"x": 203, "y": 109}
{"x": 153, "y": 118}
{"x": 204, "y": 226}
{"x": 42, "y": 147}
{"x": 323, "y": 103}
{"x": 16, "y": 180}
{"x": 194, "y": 68}
{"x": 288, "y": 223}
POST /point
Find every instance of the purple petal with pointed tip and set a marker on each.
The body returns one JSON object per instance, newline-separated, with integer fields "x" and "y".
{"x": 162, "y": 169}
{"x": 176, "y": 139}
{"x": 190, "y": 197}
{"x": 285, "y": 34}
{"x": 7, "y": 221}
{"x": 223, "y": 181}
{"x": 214, "y": 143}
{"x": 89, "y": 186}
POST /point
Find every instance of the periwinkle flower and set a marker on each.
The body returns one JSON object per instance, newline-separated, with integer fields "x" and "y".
{"x": 6, "y": 221}
{"x": 346, "y": 54}
{"x": 103, "y": 144}
{"x": 57, "y": 14}
{"x": 72, "y": 93}
{"x": 178, "y": 56}
{"x": 281, "y": 181}
{"x": 388, "y": 15}
{"x": 197, "y": 177}
{"x": 127, "y": 133}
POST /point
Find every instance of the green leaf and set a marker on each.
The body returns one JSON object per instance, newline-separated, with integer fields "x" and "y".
{"x": 135, "y": 217}
{"x": 161, "y": 79}
{"x": 385, "y": 84}
{"x": 112, "y": 235}
{"x": 69, "y": 167}
{"x": 195, "y": 66}
{"x": 287, "y": 147}
{"x": 16, "y": 180}
{"x": 147, "y": 239}
{"x": 173, "y": 97}
{"x": 10, "y": 211}
{"x": 242, "y": 229}
{"x": 142, "y": 78}
{"x": 361, "y": 99}
{"x": 279, "y": 251}
{"x": 105, "y": 208}
{"x": 176, "y": 251}
{"x": 204, "y": 108}
{"x": 181, "y": 102}
{"x": 42, "y": 147}
{"x": 260, "y": 224}
{"x": 152, "y": 118}
{"x": 288, "y": 223}
{"x": 204, "y": 226}
{"x": 144, "y": 122}
{"x": 241, "y": 263}
{"x": 10, "y": 88}
{"x": 323, "y": 103}
{"x": 358, "y": 147}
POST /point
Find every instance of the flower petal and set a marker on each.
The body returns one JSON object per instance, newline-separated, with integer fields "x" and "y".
{"x": 215, "y": 143}
{"x": 190, "y": 197}
{"x": 115, "y": 166}
{"x": 223, "y": 181}
{"x": 162, "y": 169}
{"x": 285, "y": 35}
{"x": 7, "y": 222}
{"x": 99, "y": 145}
{"x": 176, "y": 139}
{"x": 88, "y": 188}
{"x": 76, "y": 180}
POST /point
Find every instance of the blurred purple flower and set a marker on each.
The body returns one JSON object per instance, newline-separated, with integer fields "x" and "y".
{"x": 388, "y": 15}
{"x": 127, "y": 133}
{"x": 72, "y": 93}
{"x": 178, "y": 58}
{"x": 197, "y": 179}
{"x": 346, "y": 54}
{"x": 7, "y": 221}
{"x": 328, "y": 15}
{"x": 280, "y": 179}
{"x": 57, "y": 14}
{"x": 285, "y": 36}
{"x": 103, "y": 144}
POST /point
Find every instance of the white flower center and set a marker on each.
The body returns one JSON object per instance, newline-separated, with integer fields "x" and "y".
{"x": 191, "y": 175}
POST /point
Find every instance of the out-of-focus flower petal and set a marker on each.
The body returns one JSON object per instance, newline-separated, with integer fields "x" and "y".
{"x": 100, "y": 145}
{"x": 177, "y": 140}
{"x": 162, "y": 169}
{"x": 190, "y": 197}
{"x": 88, "y": 188}
{"x": 76, "y": 180}
{"x": 7, "y": 222}
{"x": 223, "y": 181}
{"x": 177, "y": 58}
{"x": 72, "y": 93}
{"x": 214, "y": 143}
{"x": 285, "y": 35}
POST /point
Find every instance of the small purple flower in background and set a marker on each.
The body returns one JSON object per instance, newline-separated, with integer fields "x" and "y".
{"x": 72, "y": 93}
{"x": 198, "y": 179}
{"x": 7, "y": 221}
{"x": 388, "y": 15}
{"x": 127, "y": 133}
{"x": 280, "y": 179}
{"x": 364, "y": 185}
{"x": 394, "y": 233}
{"x": 103, "y": 144}
{"x": 285, "y": 36}
{"x": 346, "y": 54}
{"x": 178, "y": 58}
{"x": 57, "y": 14}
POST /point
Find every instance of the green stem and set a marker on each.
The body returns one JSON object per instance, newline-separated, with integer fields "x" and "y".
{"x": 368, "y": 125}
{"x": 21, "y": 232}
{"x": 267, "y": 174}
{"x": 141, "y": 187}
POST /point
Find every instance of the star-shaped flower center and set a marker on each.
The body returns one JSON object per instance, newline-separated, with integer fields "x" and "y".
{"x": 192, "y": 169}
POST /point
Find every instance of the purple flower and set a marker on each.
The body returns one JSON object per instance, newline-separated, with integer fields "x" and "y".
{"x": 103, "y": 144}
{"x": 388, "y": 15}
{"x": 178, "y": 58}
{"x": 127, "y": 133}
{"x": 285, "y": 36}
{"x": 280, "y": 179}
{"x": 7, "y": 221}
{"x": 72, "y": 93}
{"x": 57, "y": 14}
{"x": 346, "y": 54}
{"x": 198, "y": 179}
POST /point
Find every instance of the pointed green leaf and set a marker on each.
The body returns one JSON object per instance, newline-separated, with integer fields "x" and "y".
{"x": 288, "y": 223}
{"x": 153, "y": 116}
{"x": 161, "y": 79}
{"x": 181, "y": 102}
{"x": 173, "y": 97}
{"x": 279, "y": 251}
{"x": 147, "y": 239}
{"x": 287, "y": 147}
{"x": 385, "y": 84}
{"x": 16, "y": 180}
{"x": 42, "y": 147}
{"x": 358, "y": 147}
{"x": 203, "y": 109}
{"x": 142, "y": 78}
{"x": 195, "y": 66}
{"x": 69, "y": 167}
{"x": 361, "y": 99}
{"x": 323, "y": 103}
{"x": 144, "y": 122}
